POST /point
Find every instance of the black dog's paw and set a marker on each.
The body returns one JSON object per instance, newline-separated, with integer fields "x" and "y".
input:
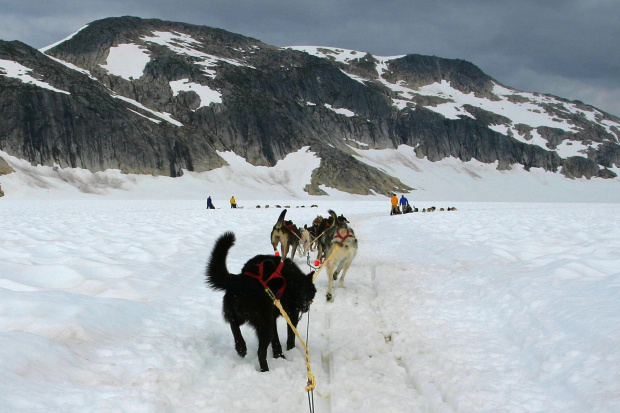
{"x": 277, "y": 354}
{"x": 241, "y": 348}
{"x": 290, "y": 346}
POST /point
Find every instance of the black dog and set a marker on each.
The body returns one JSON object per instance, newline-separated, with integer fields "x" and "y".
{"x": 245, "y": 299}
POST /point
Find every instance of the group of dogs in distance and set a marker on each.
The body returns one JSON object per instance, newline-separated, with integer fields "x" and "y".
{"x": 246, "y": 298}
{"x": 288, "y": 206}
{"x": 409, "y": 209}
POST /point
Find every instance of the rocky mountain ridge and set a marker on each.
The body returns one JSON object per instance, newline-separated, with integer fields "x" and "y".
{"x": 158, "y": 97}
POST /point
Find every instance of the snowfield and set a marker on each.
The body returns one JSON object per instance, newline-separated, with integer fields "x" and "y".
{"x": 510, "y": 307}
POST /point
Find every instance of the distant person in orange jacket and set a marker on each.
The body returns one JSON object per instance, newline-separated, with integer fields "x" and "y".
{"x": 395, "y": 210}
{"x": 233, "y": 202}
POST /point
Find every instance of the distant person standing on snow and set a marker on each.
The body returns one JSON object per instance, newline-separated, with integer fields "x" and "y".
{"x": 210, "y": 203}
{"x": 233, "y": 202}
{"x": 404, "y": 205}
{"x": 403, "y": 202}
{"x": 395, "y": 209}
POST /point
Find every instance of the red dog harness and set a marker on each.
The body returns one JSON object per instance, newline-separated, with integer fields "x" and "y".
{"x": 342, "y": 239}
{"x": 276, "y": 274}
{"x": 291, "y": 228}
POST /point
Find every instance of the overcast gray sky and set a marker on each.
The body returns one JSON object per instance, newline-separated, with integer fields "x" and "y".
{"x": 568, "y": 48}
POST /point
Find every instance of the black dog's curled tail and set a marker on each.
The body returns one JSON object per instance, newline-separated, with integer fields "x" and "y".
{"x": 332, "y": 216}
{"x": 216, "y": 272}
{"x": 280, "y": 219}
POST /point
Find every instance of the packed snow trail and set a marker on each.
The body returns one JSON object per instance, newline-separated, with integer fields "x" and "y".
{"x": 502, "y": 297}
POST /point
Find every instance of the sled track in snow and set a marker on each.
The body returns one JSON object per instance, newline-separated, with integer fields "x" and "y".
{"x": 381, "y": 323}
{"x": 327, "y": 362}
{"x": 430, "y": 394}
{"x": 383, "y": 327}
{"x": 363, "y": 301}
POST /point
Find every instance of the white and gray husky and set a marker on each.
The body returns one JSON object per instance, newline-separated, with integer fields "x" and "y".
{"x": 340, "y": 254}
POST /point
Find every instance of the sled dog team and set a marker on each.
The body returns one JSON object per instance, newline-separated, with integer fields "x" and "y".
{"x": 245, "y": 297}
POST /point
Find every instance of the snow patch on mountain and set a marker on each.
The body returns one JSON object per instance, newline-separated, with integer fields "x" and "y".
{"x": 356, "y": 78}
{"x": 341, "y": 111}
{"x": 73, "y": 67}
{"x": 127, "y": 61}
{"x": 162, "y": 115}
{"x": 518, "y": 112}
{"x": 205, "y": 93}
{"x": 290, "y": 175}
{"x": 338, "y": 54}
{"x": 24, "y": 74}
{"x": 179, "y": 43}
{"x": 184, "y": 44}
